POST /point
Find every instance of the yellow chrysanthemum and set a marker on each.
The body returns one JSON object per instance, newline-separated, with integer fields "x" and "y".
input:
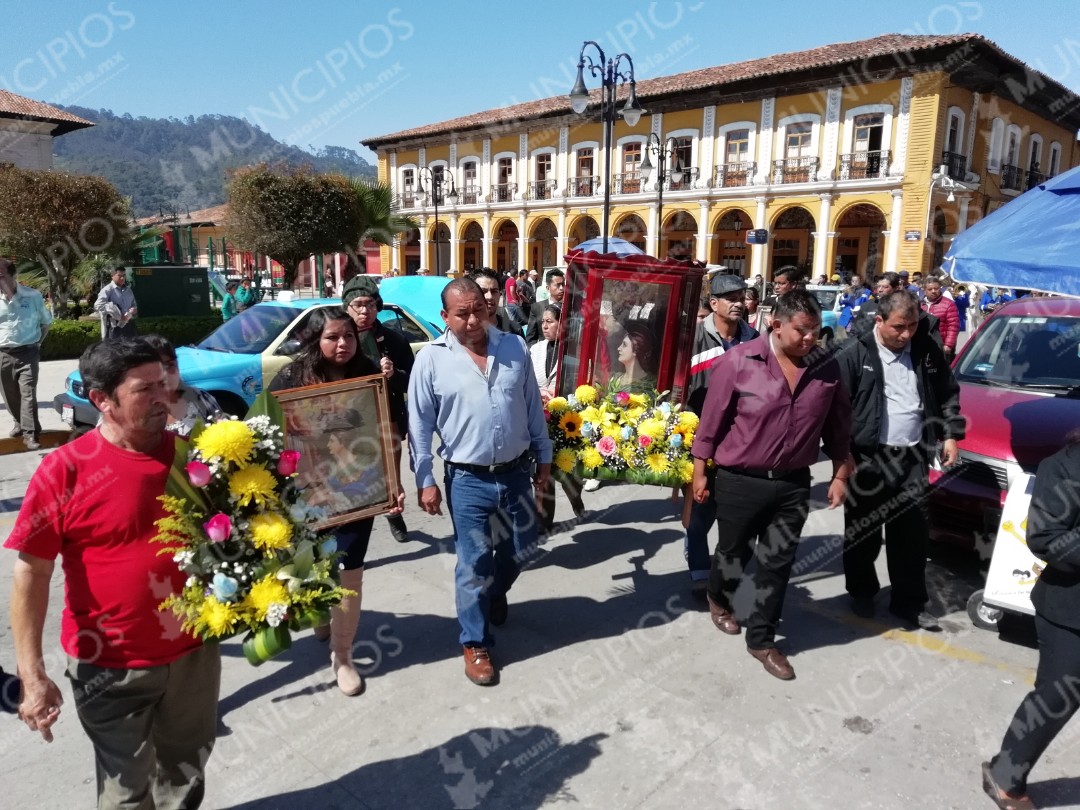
{"x": 219, "y": 618}
{"x": 685, "y": 469}
{"x": 264, "y": 593}
{"x": 639, "y": 400}
{"x": 253, "y": 484}
{"x": 653, "y": 428}
{"x": 657, "y": 462}
{"x": 612, "y": 429}
{"x": 557, "y": 405}
{"x": 688, "y": 419}
{"x": 631, "y": 415}
{"x": 565, "y": 460}
{"x": 570, "y": 423}
{"x": 229, "y": 440}
{"x": 591, "y": 458}
{"x": 270, "y": 531}
{"x": 629, "y": 454}
{"x": 586, "y": 394}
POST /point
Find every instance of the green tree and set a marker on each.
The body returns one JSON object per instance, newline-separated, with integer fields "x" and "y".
{"x": 54, "y": 220}
{"x": 289, "y": 214}
{"x": 379, "y": 217}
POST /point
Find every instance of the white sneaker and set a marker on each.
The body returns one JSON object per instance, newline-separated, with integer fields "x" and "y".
{"x": 591, "y": 485}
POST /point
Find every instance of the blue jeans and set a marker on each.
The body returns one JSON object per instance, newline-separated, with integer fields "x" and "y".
{"x": 702, "y": 519}
{"x": 495, "y": 529}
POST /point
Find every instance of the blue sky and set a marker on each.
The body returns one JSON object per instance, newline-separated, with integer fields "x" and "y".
{"x": 335, "y": 72}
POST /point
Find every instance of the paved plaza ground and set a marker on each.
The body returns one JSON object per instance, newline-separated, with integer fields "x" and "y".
{"x": 616, "y": 690}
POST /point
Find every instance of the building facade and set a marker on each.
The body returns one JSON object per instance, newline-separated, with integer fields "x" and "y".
{"x": 861, "y": 157}
{"x": 27, "y": 129}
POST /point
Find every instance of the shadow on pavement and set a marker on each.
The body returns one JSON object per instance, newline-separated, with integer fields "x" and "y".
{"x": 1064, "y": 792}
{"x": 522, "y": 768}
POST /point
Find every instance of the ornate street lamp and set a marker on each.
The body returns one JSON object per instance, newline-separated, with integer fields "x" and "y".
{"x": 610, "y": 78}
{"x": 663, "y": 152}
{"x": 437, "y": 182}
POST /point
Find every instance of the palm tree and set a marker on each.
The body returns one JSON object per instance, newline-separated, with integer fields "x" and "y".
{"x": 379, "y": 218}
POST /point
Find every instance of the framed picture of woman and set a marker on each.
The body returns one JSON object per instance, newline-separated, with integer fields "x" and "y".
{"x": 343, "y": 433}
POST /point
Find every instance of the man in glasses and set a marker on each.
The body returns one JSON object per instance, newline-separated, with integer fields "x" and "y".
{"x": 394, "y": 356}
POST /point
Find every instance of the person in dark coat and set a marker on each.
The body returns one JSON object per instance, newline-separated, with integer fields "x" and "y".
{"x": 1053, "y": 535}
{"x": 556, "y": 285}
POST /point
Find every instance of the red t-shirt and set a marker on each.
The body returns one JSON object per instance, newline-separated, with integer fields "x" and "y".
{"x": 95, "y": 504}
{"x": 511, "y": 291}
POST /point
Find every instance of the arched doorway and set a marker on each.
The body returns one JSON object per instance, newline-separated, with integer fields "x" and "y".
{"x": 678, "y": 236}
{"x": 543, "y": 245}
{"x": 583, "y": 229}
{"x": 410, "y": 252}
{"x": 860, "y": 249}
{"x": 440, "y": 249}
{"x": 793, "y": 240}
{"x": 632, "y": 229}
{"x": 729, "y": 239}
{"x": 506, "y": 238}
{"x": 472, "y": 247}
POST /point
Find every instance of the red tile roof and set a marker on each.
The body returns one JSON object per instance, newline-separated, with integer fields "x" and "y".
{"x": 705, "y": 78}
{"x": 214, "y": 215}
{"x": 13, "y": 106}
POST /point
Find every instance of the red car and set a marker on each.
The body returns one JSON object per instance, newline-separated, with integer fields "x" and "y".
{"x": 1019, "y": 381}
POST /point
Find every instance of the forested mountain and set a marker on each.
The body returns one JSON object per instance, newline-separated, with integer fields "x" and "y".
{"x": 170, "y": 163}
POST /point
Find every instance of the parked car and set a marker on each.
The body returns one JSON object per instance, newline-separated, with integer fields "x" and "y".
{"x": 240, "y": 357}
{"x": 1019, "y": 379}
{"x": 828, "y": 296}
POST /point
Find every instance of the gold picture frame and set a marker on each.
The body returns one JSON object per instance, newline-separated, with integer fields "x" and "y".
{"x": 345, "y": 437}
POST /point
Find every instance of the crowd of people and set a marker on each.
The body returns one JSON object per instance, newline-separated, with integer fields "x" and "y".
{"x": 881, "y": 407}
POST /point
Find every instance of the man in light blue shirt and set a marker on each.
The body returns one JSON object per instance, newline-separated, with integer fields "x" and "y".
{"x": 476, "y": 388}
{"x": 116, "y": 303}
{"x": 24, "y": 321}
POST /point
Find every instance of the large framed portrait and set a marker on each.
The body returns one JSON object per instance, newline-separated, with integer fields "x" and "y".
{"x": 344, "y": 435}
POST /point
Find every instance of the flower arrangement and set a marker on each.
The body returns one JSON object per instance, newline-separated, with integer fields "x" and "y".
{"x": 235, "y": 524}
{"x": 638, "y": 438}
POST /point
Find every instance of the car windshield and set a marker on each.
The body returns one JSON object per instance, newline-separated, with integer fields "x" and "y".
{"x": 1025, "y": 351}
{"x": 250, "y": 331}
{"x": 827, "y": 299}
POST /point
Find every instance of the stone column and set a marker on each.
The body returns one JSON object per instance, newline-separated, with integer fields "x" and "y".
{"x": 896, "y": 235}
{"x": 821, "y": 243}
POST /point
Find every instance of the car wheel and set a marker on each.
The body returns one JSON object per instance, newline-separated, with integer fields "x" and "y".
{"x": 230, "y": 403}
{"x": 981, "y": 614}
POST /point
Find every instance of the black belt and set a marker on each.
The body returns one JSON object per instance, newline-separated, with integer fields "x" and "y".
{"x": 770, "y": 475}
{"x": 492, "y": 469}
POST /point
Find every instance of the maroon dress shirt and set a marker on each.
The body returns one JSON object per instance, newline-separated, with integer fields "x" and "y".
{"x": 751, "y": 419}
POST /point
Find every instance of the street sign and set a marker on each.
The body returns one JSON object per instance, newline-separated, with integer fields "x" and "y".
{"x": 912, "y": 236}
{"x": 757, "y": 236}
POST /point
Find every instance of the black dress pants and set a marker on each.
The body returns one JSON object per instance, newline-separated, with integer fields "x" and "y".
{"x": 773, "y": 513}
{"x": 888, "y": 492}
{"x": 1045, "y": 710}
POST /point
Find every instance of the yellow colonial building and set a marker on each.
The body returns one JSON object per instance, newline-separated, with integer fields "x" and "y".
{"x": 862, "y": 156}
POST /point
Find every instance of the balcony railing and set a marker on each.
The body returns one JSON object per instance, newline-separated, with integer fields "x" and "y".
{"x": 407, "y": 200}
{"x": 795, "y": 170}
{"x": 1012, "y": 177}
{"x": 1034, "y": 178}
{"x": 469, "y": 195}
{"x": 733, "y": 175}
{"x": 503, "y": 192}
{"x": 864, "y": 165}
{"x": 627, "y": 183}
{"x": 542, "y": 189}
{"x": 584, "y": 186}
{"x": 955, "y": 165}
{"x": 684, "y": 183}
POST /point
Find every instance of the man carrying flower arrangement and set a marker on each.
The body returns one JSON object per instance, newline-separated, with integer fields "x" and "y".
{"x": 770, "y": 406}
{"x": 145, "y": 692}
{"x": 476, "y": 388}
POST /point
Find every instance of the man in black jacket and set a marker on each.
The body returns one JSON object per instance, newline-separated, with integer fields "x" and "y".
{"x": 488, "y": 282}
{"x": 905, "y": 401}
{"x": 392, "y": 352}
{"x": 556, "y": 285}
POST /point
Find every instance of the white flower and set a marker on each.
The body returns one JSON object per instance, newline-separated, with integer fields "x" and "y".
{"x": 276, "y": 613}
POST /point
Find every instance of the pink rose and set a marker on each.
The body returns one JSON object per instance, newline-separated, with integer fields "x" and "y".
{"x": 287, "y": 462}
{"x": 218, "y": 528}
{"x": 622, "y": 398}
{"x": 606, "y": 446}
{"x": 198, "y": 473}
{"x": 644, "y": 441}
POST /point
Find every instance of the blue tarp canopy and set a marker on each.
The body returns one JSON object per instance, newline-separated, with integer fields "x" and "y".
{"x": 1030, "y": 243}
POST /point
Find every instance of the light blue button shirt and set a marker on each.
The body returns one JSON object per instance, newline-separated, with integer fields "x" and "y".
{"x": 482, "y": 418}
{"x": 23, "y": 318}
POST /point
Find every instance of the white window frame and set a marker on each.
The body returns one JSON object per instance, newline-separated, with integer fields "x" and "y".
{"x": 1054, "y": 163}
{"x": 886, "y": 111}
{"x": 695, "y": 139}
{"x": 1010, "y": 131}
{"x": 495, "y": 166}
{"x": 596, "y": 156}
{"x": 958, "y": 114}
{"x": 544, "y": 150}
{"x": 780, "y": 143}
{"x": 461, "y": 167}
{"x": 997, "y": 146}
{"x": 1035, "y": 141}
{"x": 401, "y": 176}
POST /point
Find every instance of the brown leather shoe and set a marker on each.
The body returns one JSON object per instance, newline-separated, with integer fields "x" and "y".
{"x": 723, "y": 619}
{"x": 775, "y": 662}
{"x": 478, "y": 666}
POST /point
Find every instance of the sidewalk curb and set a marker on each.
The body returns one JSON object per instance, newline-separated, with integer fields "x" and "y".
{"x": 49, "y": 439}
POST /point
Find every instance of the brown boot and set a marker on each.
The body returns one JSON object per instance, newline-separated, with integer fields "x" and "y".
{"x": 344, "y": 620}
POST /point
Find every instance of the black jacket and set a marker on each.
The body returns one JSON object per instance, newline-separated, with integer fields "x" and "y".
{"x": 533, "y": 332}
{"x": 394, "y": 345}
{"x": 865, "y": 318}
{"x": 709, "y": 347}
{"x": 504, "y": 323}
{"x": 862, "y": 372}
{"x": 1053, "y": 535}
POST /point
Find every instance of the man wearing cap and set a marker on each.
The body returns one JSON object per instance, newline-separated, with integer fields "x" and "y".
{"x": 720, "y": 331}
{"x": 393, "y": 354}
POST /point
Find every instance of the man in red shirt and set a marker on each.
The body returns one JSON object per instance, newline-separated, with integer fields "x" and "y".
{"x": 145, "y": 691}
{"x": 770, "y": 406}
{"x": 947, "y": 314}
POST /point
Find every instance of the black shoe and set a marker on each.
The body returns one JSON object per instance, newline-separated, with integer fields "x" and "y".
{"x": 397, "y": 528}
{"x": 917, "y": 619}
{"x": 699, "y": 590}
{"x": 862, "y": 606}
{"x": 500, "y": 610}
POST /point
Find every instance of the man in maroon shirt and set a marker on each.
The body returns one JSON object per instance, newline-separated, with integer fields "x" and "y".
{"x": 771, "y": 405}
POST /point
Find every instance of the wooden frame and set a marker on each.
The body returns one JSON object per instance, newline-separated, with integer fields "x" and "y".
{"x": 346, "y": 439}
